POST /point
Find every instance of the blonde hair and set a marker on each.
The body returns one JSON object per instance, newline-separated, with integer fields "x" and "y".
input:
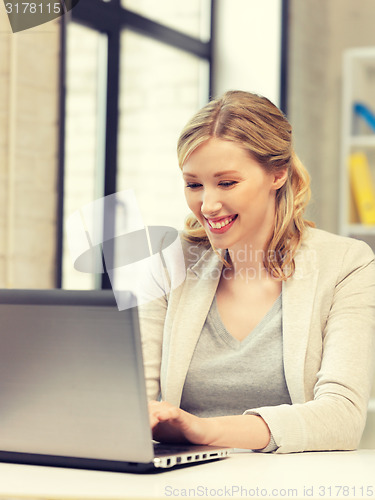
{"x": 260, "y": 128}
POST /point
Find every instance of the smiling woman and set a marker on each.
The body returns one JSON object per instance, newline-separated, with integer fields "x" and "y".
{"x": 252, "y": 128}
{"x": 268, "y": 344}
{"x": 241, "y": 199}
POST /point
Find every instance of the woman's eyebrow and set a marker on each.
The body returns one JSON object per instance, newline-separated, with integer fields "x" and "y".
{"x": 218, "y": 174}
{"x": 227, "y": 172}
{"x": 187, "y": 174}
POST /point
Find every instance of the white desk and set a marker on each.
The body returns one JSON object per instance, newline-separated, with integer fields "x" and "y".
{"x": 243, "y": 475}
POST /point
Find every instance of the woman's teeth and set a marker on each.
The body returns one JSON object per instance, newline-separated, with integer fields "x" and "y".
{"x": 218, "y": 225}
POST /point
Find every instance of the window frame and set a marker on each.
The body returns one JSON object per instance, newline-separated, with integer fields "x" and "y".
{"x": 110, "y": 17}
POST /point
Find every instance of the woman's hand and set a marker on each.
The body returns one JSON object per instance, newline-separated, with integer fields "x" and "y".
{"x": 170, "y": 424}
{"x": 173, "y": 425}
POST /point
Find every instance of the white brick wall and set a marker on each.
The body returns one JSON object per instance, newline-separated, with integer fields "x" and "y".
{"x": 29, "y": 66}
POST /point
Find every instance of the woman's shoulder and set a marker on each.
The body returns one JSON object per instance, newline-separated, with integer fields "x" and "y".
{"x": 333, "y": 247}
{"x": 321, "y": 238}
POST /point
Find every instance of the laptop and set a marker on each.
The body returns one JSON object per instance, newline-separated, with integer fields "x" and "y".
{"x": 72, "y": 388}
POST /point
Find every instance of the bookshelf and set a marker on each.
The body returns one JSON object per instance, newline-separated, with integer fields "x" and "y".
{"x": 358, "y": 139}
{"x": 358, "y": 136}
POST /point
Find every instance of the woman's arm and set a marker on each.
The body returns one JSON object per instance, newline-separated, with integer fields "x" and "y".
{"x": 334, "y": 417}
{"x": 171, "y": 424}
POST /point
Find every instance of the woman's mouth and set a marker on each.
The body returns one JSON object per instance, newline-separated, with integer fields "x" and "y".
{"x": 221, "y": 225}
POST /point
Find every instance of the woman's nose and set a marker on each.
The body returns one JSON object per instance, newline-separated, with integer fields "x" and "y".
{"x": 211, "y": 203}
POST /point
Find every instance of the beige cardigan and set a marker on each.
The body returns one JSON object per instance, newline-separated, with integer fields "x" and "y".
{"x": 328, "y": 339}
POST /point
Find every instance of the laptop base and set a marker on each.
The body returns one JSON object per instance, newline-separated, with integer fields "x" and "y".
{"x": 97, "y": 464}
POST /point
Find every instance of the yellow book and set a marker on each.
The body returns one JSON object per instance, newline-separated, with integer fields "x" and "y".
{"x": 362, "y": 187}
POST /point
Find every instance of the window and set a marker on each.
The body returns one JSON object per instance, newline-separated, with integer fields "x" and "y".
{"x": 192, "y": 17}
{"x": 84, "y": 136}
{"x": 160, "y": 89}
{"x": 134, "y": 75}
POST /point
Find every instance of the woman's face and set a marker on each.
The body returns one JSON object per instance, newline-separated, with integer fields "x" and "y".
{"x": 231, "y": 194}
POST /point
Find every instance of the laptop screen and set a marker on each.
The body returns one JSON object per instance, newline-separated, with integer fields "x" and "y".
{"x": 71, "y": 376}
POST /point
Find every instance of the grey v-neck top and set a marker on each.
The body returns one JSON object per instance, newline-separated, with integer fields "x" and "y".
{"x": 227, "y": 376}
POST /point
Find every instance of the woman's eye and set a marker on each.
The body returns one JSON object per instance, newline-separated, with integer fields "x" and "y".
{"x": 227, "y": 183}
{"x": 193, "y": 185}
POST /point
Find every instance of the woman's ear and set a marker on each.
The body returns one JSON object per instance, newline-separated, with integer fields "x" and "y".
{"x": 279, "y": 178}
